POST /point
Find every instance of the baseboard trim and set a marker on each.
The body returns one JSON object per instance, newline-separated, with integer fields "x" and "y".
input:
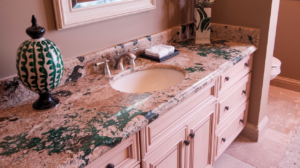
{"x": 286, "y": 83}
{"x": 253, "y": 132}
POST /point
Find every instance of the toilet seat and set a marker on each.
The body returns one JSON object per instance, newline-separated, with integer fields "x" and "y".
{"x": 276, "y": 68}
{"x": 276, "y": 63}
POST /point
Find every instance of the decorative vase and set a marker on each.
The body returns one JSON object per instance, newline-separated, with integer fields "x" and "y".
{"x": 202, "y": 16}
{"x": 40, "y": 66}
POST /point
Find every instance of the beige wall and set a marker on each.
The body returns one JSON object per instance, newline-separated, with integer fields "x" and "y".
{"x": 288, "y": 39}
{"x": 15, "y": 17}
{"x": 256, "y": 14}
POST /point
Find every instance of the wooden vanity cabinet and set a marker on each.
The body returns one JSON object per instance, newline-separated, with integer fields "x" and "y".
{"x": 195, "y": 132}
{"x": 210, "y": 121}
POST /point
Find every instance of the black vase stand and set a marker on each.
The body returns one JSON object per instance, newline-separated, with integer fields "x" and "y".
{"x": 46, "y": 101}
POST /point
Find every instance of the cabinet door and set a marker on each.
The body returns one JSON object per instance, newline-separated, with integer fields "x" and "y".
{"x": 171, "y": 154}
{"x": 165, "y": 126}
{"x": 201, "y": 137}
{"x": 124, "y": 155}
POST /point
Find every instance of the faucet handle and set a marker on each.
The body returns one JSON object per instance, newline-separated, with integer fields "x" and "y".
{"x": 106, "y": 70}
{"x": 131, "y": 62}
{"x": 96, "y": 65}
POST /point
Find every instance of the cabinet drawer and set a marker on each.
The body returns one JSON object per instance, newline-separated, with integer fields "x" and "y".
{"x": 159, "y": 130}
{"x": 229, "y": 99}
{"x": 231, "y": 128}
{"x": 234, "y": 74}
{"x": 126, "y": 154}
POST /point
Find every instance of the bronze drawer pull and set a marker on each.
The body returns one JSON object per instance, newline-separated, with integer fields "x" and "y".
{"x": 110, "y": 165}
{"x": 192, "y": 135}
{"x": 187, "y": 142}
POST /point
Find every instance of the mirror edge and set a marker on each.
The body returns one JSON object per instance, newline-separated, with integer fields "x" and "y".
{"x": 63, "y": 12}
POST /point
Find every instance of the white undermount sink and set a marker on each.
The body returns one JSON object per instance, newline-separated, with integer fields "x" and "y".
{"x": 148, "y": 80}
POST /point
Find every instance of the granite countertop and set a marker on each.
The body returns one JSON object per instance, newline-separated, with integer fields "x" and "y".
{"x": 93, "y": 117}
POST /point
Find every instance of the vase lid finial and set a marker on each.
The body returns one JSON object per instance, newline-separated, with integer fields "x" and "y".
{"x": 35, "y": 31}
{"x": 33, "y": 21}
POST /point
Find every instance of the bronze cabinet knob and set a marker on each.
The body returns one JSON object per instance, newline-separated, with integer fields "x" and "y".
{"x": 187, "y": 142}
{"x": 192, "y": 135}
{"x": 110, "y": 165}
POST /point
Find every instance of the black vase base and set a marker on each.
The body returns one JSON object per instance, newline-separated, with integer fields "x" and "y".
{"x": 46, "y": 101}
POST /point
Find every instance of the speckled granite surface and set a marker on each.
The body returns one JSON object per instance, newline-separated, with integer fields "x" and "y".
{"x": 235, "y": 33}
{"x": 12, "y": 92}
{"x": 93, "y": 117}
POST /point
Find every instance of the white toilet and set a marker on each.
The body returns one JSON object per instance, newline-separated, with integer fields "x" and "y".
{"x": 276, "y": 68}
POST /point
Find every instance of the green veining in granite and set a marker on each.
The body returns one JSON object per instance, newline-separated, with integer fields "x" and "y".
{"x": 219, "y": 52}
{"x": 196, "y": 68}
{"x": 58, "y": 140}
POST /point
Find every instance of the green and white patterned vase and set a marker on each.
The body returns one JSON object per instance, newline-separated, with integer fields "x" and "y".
{"x": 202, "y": 16}
{"x": 40, "y": 66}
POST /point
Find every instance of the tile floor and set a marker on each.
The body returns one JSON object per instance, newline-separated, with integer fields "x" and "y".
{"x": 284, "y": 118}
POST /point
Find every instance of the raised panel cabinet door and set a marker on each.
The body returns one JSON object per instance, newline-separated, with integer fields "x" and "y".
{"x": 124, "y": 155}
{"x": 201, "y": 136}
{"x": 159, "y": 130}
{"x": 171, "y": 154}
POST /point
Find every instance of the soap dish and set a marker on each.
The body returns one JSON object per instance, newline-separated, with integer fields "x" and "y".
{"x": 143, "y": 55}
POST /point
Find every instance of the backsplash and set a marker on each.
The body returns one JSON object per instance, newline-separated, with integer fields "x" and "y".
{"x": 12, "y": 91}
{"x": 235, "y": 34}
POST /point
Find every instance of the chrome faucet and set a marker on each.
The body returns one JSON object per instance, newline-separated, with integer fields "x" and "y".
{"x": 120, "y": 61}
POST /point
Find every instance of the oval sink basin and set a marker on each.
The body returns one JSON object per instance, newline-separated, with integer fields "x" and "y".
{"x": 148, "y": 80}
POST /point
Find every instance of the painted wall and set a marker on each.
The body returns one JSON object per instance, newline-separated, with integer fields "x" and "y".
{"x": 15, "y": 17}
{"x": 256, "y": 14}
{"x": 287, "y": 39}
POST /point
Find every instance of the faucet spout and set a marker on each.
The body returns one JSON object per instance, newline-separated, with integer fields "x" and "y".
{"x": 120, "y": 61}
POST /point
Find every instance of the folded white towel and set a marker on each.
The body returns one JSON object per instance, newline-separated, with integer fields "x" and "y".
{"x": 171, "y": 49}
{"x": 157, "y": 51}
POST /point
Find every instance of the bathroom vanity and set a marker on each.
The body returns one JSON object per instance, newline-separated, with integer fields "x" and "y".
{"x": 195, "y": 132}
{"x": 189, "y": 124}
